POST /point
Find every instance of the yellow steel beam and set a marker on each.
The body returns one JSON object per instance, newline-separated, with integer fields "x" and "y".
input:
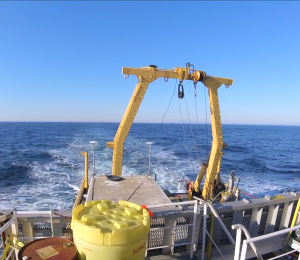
{"x": 86, "y": 169}
{"x": 217, "y": 143}
{"x": 125, "y": 125}
{"x": 147, "y": 75}
{"x": 200, "y": 176}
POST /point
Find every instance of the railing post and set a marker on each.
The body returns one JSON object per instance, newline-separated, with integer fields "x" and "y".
{"x": 86, "y": 177}
{"x": 15, "y": 230}
{"x": 28, "y": 231}
{"x": 244, "y": 251}
{"x": 194, "y": 229}
{"x": 51, "y": 222}
{"x": 238, "y": 244}
{"x": 168, "y": 234}
{"x": 204, "y": 231}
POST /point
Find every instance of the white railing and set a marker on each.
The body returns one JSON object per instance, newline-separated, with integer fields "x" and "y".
{"x": 13, "y": 223}
{"x": 194, "y": 203}
{"x": 192, "y": 232}
{"x": 242, "y": 255}
{"x": 49, "y": 215}
{"x": 205, "y": 204}
{"x": 186, "y": 203}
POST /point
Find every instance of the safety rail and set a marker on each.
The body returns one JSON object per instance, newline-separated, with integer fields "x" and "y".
{"x": 12, "y": 226}
{"x": 51, "y": 216}
{"x": 241, "y": 255}
{"x": 12, "y": 223}
{"x": 174, "y": 228}
{"x": 216, "y": 215}
{"x": 188, "y": 203}
{"x": 84, "y": 185}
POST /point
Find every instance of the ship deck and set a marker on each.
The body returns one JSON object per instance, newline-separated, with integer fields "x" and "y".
{"x": 142, "y": 190}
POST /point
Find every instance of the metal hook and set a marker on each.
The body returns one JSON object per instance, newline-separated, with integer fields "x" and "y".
{"x": 126, "y": 76}
{"x": 180, "y": 90}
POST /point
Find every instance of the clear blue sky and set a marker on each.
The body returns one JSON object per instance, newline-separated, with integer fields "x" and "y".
{"x": 61, "y": 61}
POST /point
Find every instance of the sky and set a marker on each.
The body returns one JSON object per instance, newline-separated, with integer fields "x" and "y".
{"x": 62, "y": 61}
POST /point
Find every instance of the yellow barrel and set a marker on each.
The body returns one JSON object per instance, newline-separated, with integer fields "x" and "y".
{"x": 105, "y": 230}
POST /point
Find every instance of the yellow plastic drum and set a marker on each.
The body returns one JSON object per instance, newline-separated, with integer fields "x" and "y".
{"x": 105, "y": 230}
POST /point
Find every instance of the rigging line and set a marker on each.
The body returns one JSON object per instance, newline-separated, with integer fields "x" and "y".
{"x": 162, "y": 120}
{"x": 206, "y": 121}
{"x": 196, "y": 108}
{"x": 185, "y": 137}
{"x": 138, "y": 187}
{"x": 191, "y": 129}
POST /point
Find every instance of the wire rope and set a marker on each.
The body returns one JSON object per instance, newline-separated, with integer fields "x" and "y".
{"x": 162, "y": 120}
{"x": 198, "y": 131}
{"x": 191, "y": 129}
{"x": 185, "y": 137}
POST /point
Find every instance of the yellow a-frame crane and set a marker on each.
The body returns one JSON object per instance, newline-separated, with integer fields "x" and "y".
{"x": 145, "y": 76}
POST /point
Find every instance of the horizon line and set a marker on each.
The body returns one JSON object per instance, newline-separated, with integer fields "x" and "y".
{"x": 114, "y": 122}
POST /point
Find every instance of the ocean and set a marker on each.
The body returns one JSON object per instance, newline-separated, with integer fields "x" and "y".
{"x": 41, "y": 167}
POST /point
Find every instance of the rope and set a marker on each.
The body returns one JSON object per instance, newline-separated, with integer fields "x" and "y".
{"x": 137, "y": 187}
{"x": 248, "y": 194}
{"x": 162, "y": 120}
{"x": 196, "y": 108}
{"x": 60, "y": 215}
{"x": 191, "y": 130}
{"x": 185, "y": 137}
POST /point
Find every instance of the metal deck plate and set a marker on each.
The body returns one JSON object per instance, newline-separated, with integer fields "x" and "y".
{"x": 142, "y": 190}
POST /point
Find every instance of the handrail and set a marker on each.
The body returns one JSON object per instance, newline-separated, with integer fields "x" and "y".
{"x": 195, "y": 203}
{"x": 256, "y": 239}
{"x": 274, "y": 234}
{"x": 186, "y": 203}
{"x": 240, "y": 227}
{"x": 218, "y": 218}
{"x": 6, "y": 225}
{"x": 49, "y": 215}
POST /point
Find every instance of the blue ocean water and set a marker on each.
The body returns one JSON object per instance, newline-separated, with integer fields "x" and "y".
{"x": 41, "y": 166}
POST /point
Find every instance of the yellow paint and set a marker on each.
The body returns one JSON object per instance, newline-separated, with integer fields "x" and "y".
{"x": 200, "y": 176}
{"x": 209, "y": 243}
{"x": 278, "y": 197}
{"x": 145, "y": 76}
{"x": 112, "y": 230}
{"x": 295, "y": 217}
{"x": 86, "y": 176}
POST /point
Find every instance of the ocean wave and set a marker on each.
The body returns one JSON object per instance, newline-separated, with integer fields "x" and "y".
{"x": 46, "y": 163}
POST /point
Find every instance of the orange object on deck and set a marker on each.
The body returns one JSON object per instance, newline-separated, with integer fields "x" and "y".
{"x": 54, "y": 248}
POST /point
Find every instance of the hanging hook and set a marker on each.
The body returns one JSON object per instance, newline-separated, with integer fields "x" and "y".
{"x": 180, "y": 90}
{"x": 167, "y": 74}
{"x": 195, "y": 91}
